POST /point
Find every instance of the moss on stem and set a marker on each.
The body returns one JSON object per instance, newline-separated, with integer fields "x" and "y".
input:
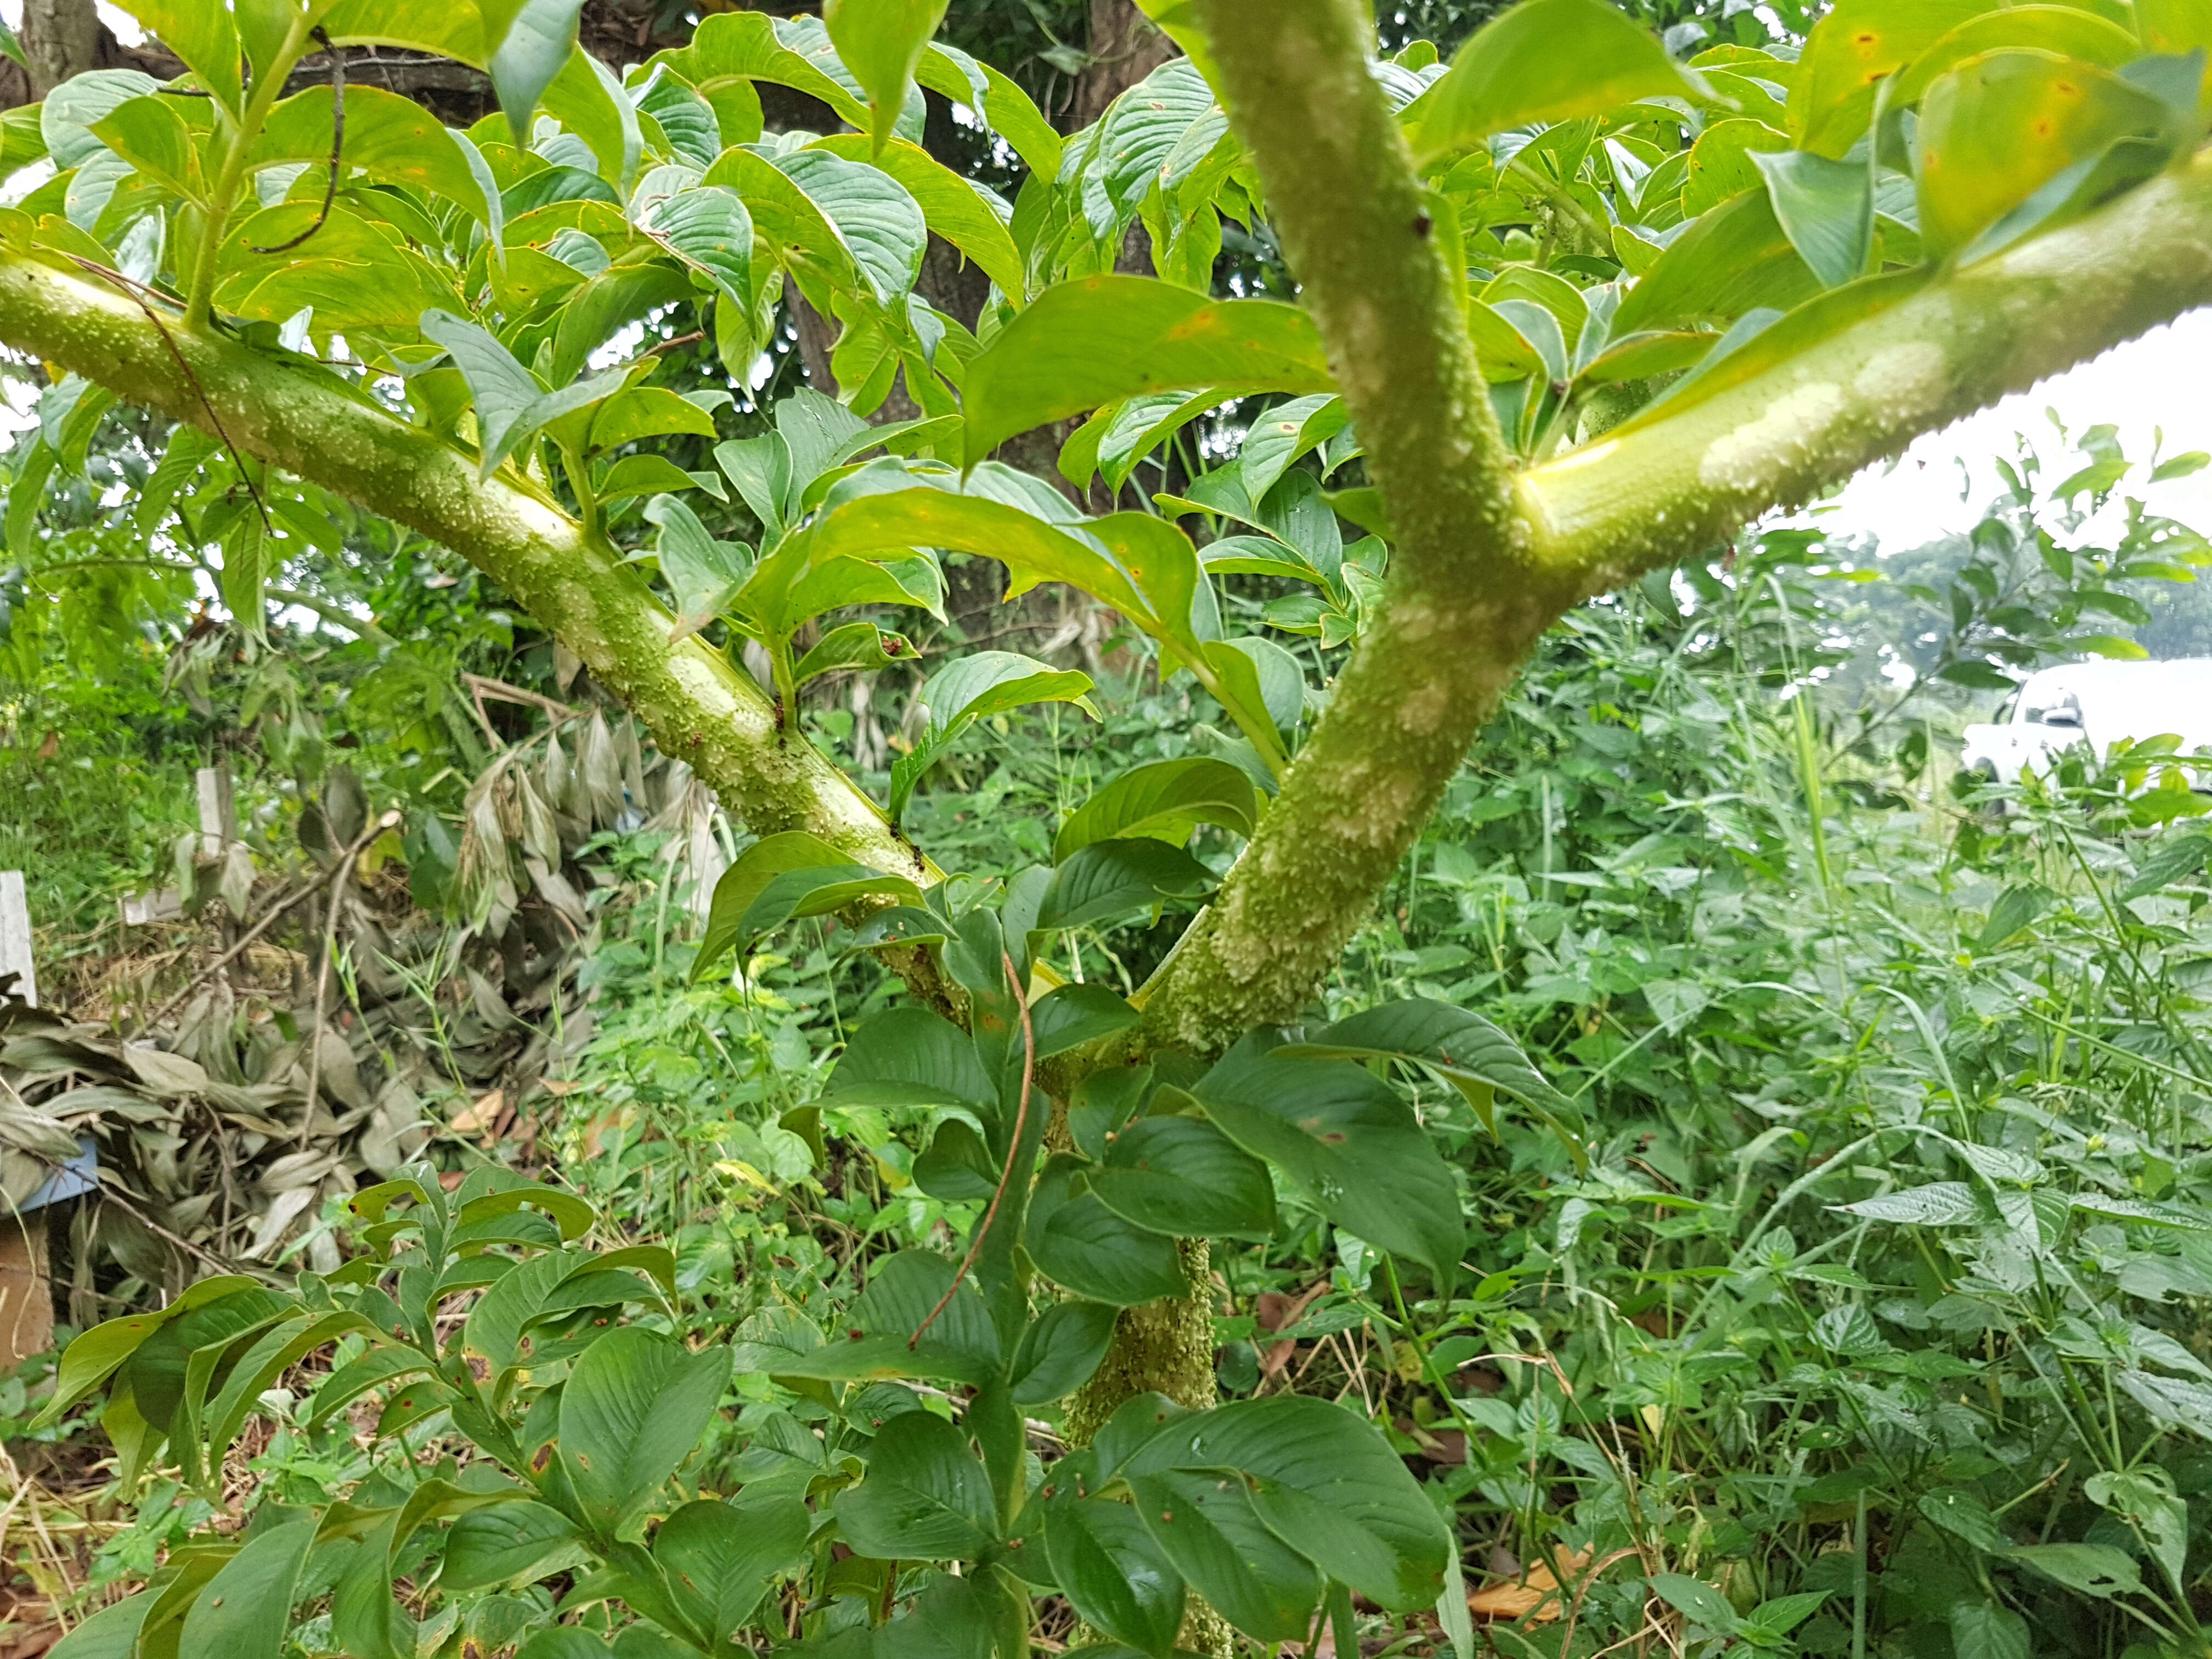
{"x": 700, "y": 707}
{"x": 1669, "y": 487}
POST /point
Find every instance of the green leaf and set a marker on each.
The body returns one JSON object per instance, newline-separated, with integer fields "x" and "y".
{"x": 245, "y": 1610}
{"x": 955, "y": 1165}
{"x": 392, "y": 139}
{"x": 617, "y": 296}
{"x": 527, "y": 54}
{"x": 1209, "y": 1531}
{"x": 431, "y": 26}
{"x": 1326, "y": 1482}
{"x": 814, "y": 892}
{"x": 67, "y": 116}
{"x": 687, "y": 120}
{"x": 743, "y": 882}
{"x": 1099, "y": 340}
{"x": 1853, "y": 48}
{"x": 1113, "y": 1573}
{"x": 1997, "y": 129}
{"x": 149, "y": 134}
{"x": 640, "y": 474}
{"x": 10, "y": 48}
{"x": 2014, "y": 908}
{"x": 2091, "y": 1568}
{"x": 1107, "y": 880}
{"x": 633, "y": 1408}
{"x": 1075, "y": 1240}
{"x": 1171, "y": 112}
{"x": 925, "y": 1497}
{"x": 110, "y": 1633}
{"x": 910, "y": 1056}
{"x": 975, "y": 688}
{"x": 1784, "y": 1613}
{"x": 1963, "y": 1515}
{"x": 1934, "y": 1204}
{"x": 1069, "y": 1016}
{"x": 204, "y": 36}
{"x": 1006, "y": 108}
{"x": 92, "y": 1358}
{"x": 962, "y": 212}
{"x": 905, "y": 1289}
{"x": 1182, "y": 1176}
{"x": 881, "y": 42}
{"x": 1695, "y": 1599}
{"x": 1826, "y": 207}
{"x": 871, "y": 212}
{"x": 1350, "y": 1144}
{"x": 703, "y": 575}
{"x": 1285, "y": 433}
{"x": 708, "y": 229}
{"x": 857, "y": 647}
{"x": 953, "y": 1619}
{"x": 510, "y": 1543}
{"x": 1163, "y": 800}
{"x": 1984, "y": 1630}
{"x": 1060, "y": 1350}
{"x": 2066, "y": 30}
{"x": 1466, "y": 1050}
{"x": 718, "y": 1559}
{"x": 1732, "y": 260}
{"x": 511, "y": 406}
{"x": 1547, "y": 61}
{"x": 647, "y": 412}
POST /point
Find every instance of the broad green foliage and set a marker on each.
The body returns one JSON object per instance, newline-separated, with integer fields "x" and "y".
{"x": 1626, "y": 236}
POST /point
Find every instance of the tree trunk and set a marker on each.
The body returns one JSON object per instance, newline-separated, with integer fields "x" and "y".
{"x": 61, "y": 39}
{"x": 1125, "y": 46}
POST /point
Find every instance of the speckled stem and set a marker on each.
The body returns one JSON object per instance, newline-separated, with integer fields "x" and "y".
{"x": 700, "y": 708}
{"x": 1670, "y": 488}
{"x": 1464, "y": 601}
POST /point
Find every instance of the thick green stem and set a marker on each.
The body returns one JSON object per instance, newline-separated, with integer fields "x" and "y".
{"x": 1463, "y": 601}
{"x": 1669, "y": 487}
{"x": 199, "y": 296}
{"x": 700, "y": 709}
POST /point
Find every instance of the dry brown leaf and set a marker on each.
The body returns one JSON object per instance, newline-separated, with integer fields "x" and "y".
{"x": 481, "y": 1117}
{"x": 1538, "y": 1594}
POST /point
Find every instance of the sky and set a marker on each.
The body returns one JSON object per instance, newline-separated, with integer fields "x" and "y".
{"x": 2155, "y": 386}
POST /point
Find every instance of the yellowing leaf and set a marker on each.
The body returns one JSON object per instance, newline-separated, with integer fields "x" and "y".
{"x": 1998, "y": 128}
{"x": 1858, "y": 44}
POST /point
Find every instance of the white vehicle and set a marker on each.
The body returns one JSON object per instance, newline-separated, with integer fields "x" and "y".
{"x": 2098, "y": 703}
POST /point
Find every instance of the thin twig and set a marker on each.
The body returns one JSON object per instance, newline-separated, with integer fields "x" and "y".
{"x": 109, "y": 1195}
{"x": 1013, "y": 1152}
{"x": 137, "y": 291}
{"x": 323, "y": 969}
{"x": 227, "y": 956}
{"x": 337, "y": 146}
{"x": 485, "y": 686}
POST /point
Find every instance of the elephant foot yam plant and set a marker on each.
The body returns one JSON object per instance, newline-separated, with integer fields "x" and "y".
{"x": 1564, "y": 312}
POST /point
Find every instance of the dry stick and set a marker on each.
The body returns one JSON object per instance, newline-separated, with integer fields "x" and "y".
{"x": 136, "y": 292}
{"x": 337, "y": 146}
{"x": 323, "y": 969}
{"x": 227, "y": 956}
{"x": 482, "y": 686}
{"x": 1013, "y": 1151}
